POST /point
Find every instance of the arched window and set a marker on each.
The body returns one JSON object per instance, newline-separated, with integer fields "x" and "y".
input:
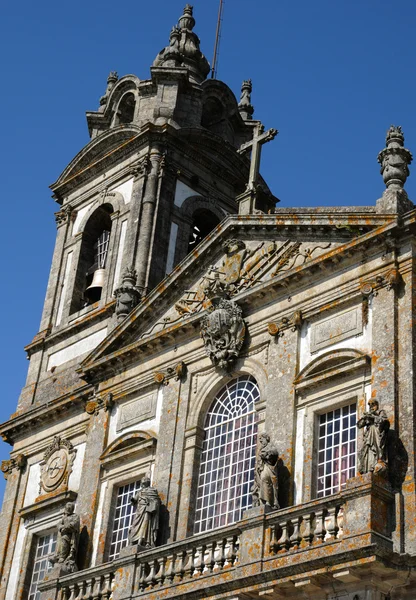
{"x": 228, "y": 457}
{"x": 204, "y": 222}
{"x": 125, "y": 112}
{"x": 91, "y": 270}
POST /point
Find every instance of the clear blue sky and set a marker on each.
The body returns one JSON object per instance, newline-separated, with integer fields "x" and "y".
{"x": 331, "y": 75}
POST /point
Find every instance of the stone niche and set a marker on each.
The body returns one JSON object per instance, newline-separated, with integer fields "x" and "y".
{"x": 338, "y": 326}
{"x": 136, "y": 409}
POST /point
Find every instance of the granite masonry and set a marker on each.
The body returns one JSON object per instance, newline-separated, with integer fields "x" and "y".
{"x": 220, "y": 402}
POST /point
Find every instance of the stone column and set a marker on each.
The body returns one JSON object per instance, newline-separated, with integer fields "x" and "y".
{"x": 147, "y": 220}
{"x": 170, "y": 450}
{"x": 193, "y": 446}
{"x": 87, "y": 504}
{"x": 10, "y": 517}
{"x": 133, "y": 225}
{"x": 63, "y": 223}
{"x": 280, "y": 404}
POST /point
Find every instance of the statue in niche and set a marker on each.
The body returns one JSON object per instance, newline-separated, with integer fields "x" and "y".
{"x": 373, "y": 454}
{"x": 145, "y": 525}
{"x": 67, "y": 541}
{"x": 265, "y": 488}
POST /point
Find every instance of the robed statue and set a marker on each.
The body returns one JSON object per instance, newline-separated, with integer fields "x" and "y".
{"x": 145, "y": 525}
{"x": 373, "y": 454}
{"x": 67, "y": 540}
{"x": 265, "y": 488}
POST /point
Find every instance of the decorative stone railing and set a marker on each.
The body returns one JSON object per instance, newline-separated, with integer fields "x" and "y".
{"x": 287, "y": 548}
{"x": 300, "y": 528}
{"x": 211, "y": 552}
{"x": 90, "y": 584}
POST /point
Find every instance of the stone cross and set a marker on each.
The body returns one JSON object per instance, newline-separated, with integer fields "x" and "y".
{"x": 260, "y": 137}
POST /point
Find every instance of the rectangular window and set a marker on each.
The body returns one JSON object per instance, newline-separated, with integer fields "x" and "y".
{"x": 336, "y": 449}
{"x": 45, "y": 548}
{"x": 122, "y": 518}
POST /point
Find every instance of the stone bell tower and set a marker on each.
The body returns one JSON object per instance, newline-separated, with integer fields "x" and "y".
{"x": 166, "y": 163}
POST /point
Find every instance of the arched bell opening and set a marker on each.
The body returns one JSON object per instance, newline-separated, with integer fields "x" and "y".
{"x": 91, "y": 272}
{"x": 203, "y": 222}
{"x": 126, "y": 108}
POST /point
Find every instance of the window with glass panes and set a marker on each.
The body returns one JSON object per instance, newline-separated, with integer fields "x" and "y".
{"x": 228, "y": 457}
{"x": 45, "y": 548}
{"x": 337, "y": 449}
{"x": 122, "y": 518}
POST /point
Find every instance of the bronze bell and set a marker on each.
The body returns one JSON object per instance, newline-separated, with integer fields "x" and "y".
{"x": 93, "y": 291}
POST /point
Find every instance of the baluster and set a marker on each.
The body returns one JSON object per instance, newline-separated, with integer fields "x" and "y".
{"x": 219, "y": 556}
{"x": 96, "y": 595}
{"x": 180, "y": 565}
{"x": 151, "y": 578}
{"x": 340, "y": 519}
{"x": 199, "y": 561}
{"x": 283, "y": 543}
{"x": 320, "y": 530}
{"x": 72, "y": 592}
{"x": 209, "y": 557}
{"x": 80, "y": 590}
{"x": 236, "y": 549}
{"x": 189, "y": 566}
{"x": 142, "y": 578}
{"x": 170, "y": 571}
{"x": 308, "y": 533}
{"x": 272, "y": 539}
{"x": 106, "y": 592}
{"x": 331, "y": 524}
{"x": 160, "y": 575}
{"x": 295, "y": 539}
{"x": 230, "y": 552}
{"x": 65, "y": 593}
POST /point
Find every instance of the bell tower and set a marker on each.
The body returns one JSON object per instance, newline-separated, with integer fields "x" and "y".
{"x": 163, "y": 168}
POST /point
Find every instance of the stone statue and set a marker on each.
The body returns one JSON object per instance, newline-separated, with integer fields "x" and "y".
{"x": 145, "y": 525}
{"x": 373, "y": 454}
{"x": 265, "y": 487}
{"x": 67, "y": 542}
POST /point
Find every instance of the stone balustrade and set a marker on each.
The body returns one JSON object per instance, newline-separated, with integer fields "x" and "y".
{"x": 266, "y": 546}
{"x": 212, "y": 552}
{"x": 300, "y": 528}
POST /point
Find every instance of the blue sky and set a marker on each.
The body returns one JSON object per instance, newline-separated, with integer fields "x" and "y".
{"x": 331, "y": 75}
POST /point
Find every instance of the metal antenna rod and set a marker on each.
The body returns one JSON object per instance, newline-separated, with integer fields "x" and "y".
{"x": 217, "y": 41}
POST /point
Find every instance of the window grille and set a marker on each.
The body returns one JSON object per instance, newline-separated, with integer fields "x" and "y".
{"x": 45, "y": 548}
{"x": 336, "y": 449}
{"x": 228, "y": 456}
{"x": 122, "y": 518}
{"x": 102, "y": 249}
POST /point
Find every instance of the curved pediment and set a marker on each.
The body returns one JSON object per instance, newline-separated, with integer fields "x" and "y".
{"x": 95, "y": 151}
{"x": 331, "y": 364}
{"x": 130, "y": 445}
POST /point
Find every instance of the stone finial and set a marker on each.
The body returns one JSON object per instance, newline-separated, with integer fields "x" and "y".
{"x": 245, "y": 107}
{"x": 183, "y": 49}
{"x": 394, "y": 160}
{"x": 128, "y": 296}
{"x": 111, "y": 81}
{"x": 187, "y": 20}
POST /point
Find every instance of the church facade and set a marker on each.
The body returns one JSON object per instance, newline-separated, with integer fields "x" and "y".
{"x": 220, "y": 402}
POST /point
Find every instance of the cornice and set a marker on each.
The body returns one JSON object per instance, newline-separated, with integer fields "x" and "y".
{"x": 92, "y": 368}
{"x": 45, "y": 339}
{"x": 19, "y": 424}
